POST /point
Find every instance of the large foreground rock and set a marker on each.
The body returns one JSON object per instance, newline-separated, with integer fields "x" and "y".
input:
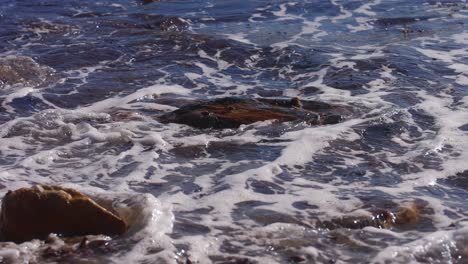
{"x": 34, "y": 213}
{"x": 231, "y": 112}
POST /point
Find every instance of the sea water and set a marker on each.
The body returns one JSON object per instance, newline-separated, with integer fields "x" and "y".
{"x": 83, "y": 82}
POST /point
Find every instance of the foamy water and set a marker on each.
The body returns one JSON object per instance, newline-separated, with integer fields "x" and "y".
{"x": 82, "y": 85}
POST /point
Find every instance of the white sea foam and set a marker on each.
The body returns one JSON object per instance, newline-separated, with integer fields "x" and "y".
{"x": 153, "y": 90}
{"x": 441, "y": 243}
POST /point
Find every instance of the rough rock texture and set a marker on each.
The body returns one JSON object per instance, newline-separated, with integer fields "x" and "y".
{"x": 163, "y": 23}
{"x": 30, "y": 213}
{"x": 232, "y": 112}
{"x": 24, "y": 70}
{"x": 125, "y": 116}
{"x": 384, "y": 219}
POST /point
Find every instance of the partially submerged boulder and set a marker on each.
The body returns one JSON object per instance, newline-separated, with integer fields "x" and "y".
{"x": 384, "y": 219}
{"x": 232, "y": 112}
{"x": 34, "y": 213}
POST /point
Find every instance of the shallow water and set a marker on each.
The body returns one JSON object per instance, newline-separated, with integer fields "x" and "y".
{"x": 83, "y": 82}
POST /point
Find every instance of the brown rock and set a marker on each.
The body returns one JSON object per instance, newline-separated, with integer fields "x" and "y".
{"x": 24, "y": 70}
{"x": 125, "y": 116}
{"x": 408, "y": 216}
{"x": 404, "y": 217}
{"x": 34, "y": 213}
{"x": 231, "y": 112}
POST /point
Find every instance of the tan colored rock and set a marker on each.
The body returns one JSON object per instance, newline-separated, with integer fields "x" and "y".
{"x": 122, "y": 116}
{"x": 34, "y": 213}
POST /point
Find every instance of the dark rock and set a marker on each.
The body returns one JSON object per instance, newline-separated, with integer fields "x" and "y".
{"x": 297, "y": 259}
{"x": 394, "y": 21}
{"x": 384, "y": 219}
{"x": 45, "y": 27}
{"x": 145, "y": 2}
{"x": 34, "y": 213}
{"x": 231, "y": 260}
{"x": 348, "y": 79}
{"x": 70, "y": 57}
{"x": 309, "y": 90}
{"x": 459, "y": 180}
{"x": 231, "y": 112}
{"x": 71, "y": 249}
{"x": 164, "y": 23}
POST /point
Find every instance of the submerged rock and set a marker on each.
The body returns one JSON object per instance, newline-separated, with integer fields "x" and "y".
{"x": 46, "y": 27}
{"x": 394, "y": 21}
{"x": 231, "y": 112}
{"x": 123, "y": 115}
{"x": 68, "y": 250}
{"x": 384, "y": 219}
{"x": 459, "y": 180}
{"x": 164, "y": 23}
{"x": 34, "y": 213}
{"x": 22, "y": 70}
{"x": 150, "y": 1}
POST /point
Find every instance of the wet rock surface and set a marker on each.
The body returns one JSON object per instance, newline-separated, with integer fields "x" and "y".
{"x": 68, "y": 250}
{"x": 460, "y": 180}
{"x": 395, "y": 21}
{"x": 163, "y": 23}
{"x": 404, "y": 217}
{"x": 232, "y": 112}
{"x": 34, "y": 213}
{"x": 125, "y": 116}
{"x": 22, "y": 70}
